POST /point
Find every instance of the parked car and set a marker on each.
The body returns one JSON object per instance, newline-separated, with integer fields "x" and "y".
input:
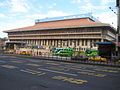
{"x": 97, "y": 58}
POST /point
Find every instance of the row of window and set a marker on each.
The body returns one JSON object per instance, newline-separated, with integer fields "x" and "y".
{"x": 57, "y": 36}
{"x": 56, "y": 31}
{"x": 74, "y": 43}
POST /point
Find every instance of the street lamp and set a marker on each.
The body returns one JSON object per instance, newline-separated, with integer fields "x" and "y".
{"x": 118, "y": 24}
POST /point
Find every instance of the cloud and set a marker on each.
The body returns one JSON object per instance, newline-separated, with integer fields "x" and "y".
{"x": 108, "y": 17}
{"x": 2, "y": 15}
{"x": 75, "y": 1}
{"x": 51, "y": 13}
{"x": 55, "y": 13}
{"x": 86, "y": 6}
{"x": 30, "y": 19}
{"x": 1, "y": 4}
{"x": 18, "y": 5}
{"x": 106, "y": 2}
{"x": 52, "y": 5}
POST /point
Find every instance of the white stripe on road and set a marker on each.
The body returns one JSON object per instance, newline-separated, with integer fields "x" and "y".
{"x": 32, "y": 64}
{"x": 9, "y": 66}
{"x": 2, "y": 61}
{"x": 57, "y": 72}
{"x": 27, "y": 71}
{"x": 33, "y": 72}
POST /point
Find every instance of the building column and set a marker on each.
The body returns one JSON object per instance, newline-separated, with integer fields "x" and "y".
{"x": 41, "y": 42}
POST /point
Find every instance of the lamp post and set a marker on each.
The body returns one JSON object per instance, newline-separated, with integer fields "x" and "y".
{"x": 118, "y": 24}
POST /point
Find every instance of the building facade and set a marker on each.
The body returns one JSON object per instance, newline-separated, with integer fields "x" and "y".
{"x": 76, "y": 32}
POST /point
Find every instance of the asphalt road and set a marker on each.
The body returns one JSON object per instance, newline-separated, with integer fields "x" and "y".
{"x": 32, "y": 74}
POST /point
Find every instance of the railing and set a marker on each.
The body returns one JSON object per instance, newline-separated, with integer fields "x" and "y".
{"x": 113, "y": 63}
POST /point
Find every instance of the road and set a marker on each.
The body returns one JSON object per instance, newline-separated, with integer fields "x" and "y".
{"x": 32, "y": 74}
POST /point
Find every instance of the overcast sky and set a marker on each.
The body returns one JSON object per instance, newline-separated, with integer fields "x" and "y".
{"x": 20, "y": 13}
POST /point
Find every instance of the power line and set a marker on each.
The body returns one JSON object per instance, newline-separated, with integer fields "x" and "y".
{"x": 112, "y": 10}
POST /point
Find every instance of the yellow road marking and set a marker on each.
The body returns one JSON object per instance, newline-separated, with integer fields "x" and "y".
{"x": 105, "y": 70}
{"x": 71, "y": 80}
{"x": 92, "y": 74}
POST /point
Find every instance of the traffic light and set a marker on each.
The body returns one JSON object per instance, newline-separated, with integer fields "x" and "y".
{"x": 117, "y": 3}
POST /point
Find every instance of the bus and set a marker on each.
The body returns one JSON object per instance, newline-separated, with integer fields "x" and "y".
{"x": 67, "y": 52}
{"x": 91, "y": 52}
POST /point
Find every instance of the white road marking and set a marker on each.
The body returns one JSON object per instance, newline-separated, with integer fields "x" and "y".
{"x": 33, "y": 72}
{"x": 36, "y": 61}
{"x": 16, "y": 61}
{"x": 52, "y": 63}
{"x": 57, "y": 72}
{"x": 2, "y": 61}
{"x": 27, "y": 71}
{"x": 8, "y": 66}
{"x": 31, "y": 64}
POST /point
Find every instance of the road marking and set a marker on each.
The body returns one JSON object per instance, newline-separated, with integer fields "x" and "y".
{"x": 27, "y": 71}
{"x": 33, "y": 72}
{"x": 87, "y": 70}
{"x": 70, "y": 80}
{"x": 36, "y": 61}
{"x": 59, "y": 68}
{"x": 8, "y": 66}
{"x": 39, "y": 73}
{"x": 72, "y": 68}
{"x": 112, "y": 68}
{"x": 16, "y": 61}
{"x": 53, "y": 63}
{"x": 57, "y": 72}
{"x": 105, "y": 70}
{"x": 32, "y": 64}
{"x": 2, "y": 61}
{"x": 92, "y": 74}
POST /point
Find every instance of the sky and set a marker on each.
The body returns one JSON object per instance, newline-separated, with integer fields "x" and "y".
{"x": 21, "y": 13}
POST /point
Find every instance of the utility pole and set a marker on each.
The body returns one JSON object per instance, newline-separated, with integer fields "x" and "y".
{"x": 118, "y": 25}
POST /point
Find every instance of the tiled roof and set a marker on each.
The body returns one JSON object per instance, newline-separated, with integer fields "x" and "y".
{"x": 71, "y": 23}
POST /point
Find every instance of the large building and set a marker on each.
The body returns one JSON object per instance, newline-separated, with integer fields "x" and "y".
{"x": 77, "y": 31}
{"x": 2, "y": 43}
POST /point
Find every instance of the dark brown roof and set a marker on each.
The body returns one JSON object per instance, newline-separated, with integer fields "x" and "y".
{"x": 71, "y": 23}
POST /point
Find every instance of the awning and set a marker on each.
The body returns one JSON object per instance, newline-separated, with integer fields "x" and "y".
{"x": 105, "y": 43}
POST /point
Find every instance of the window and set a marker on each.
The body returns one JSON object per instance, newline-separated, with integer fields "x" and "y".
{"x": 82, "y": 42}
